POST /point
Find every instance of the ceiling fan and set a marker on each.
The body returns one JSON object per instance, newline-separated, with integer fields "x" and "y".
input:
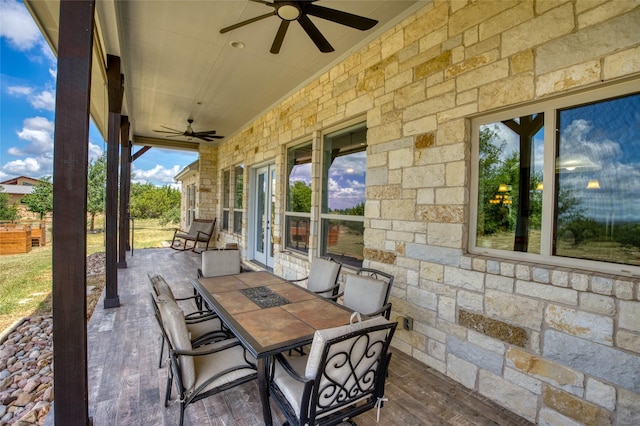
{"x": 207, "y": 136}
{"x": 297, "y": 11}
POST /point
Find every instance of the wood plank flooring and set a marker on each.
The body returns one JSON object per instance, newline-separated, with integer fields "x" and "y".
{"x": 126, "y": 387}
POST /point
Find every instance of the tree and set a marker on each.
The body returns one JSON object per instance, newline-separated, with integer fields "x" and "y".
{"x": 149, "y": 201}
{"x": 41, "y": 198}
{"x": 300, "y": 194}
{"x": 7, "y": 211}
{"x": 96, "y": 178}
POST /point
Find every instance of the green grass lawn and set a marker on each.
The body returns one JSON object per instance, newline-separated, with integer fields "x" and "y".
{"x": 25, "y": 279}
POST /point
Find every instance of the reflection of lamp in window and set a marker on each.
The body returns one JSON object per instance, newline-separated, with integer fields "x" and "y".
{"x": 539, "y": 187}
{"x": 503, "y": 188}
{"x": 593, "y": 184}
{"x": 576, "y": 162}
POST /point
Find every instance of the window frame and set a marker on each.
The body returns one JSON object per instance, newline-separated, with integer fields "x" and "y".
{"x": 550, "y": 108}
{"x": 235, "y": 211}
{"x": 288, "y": 212}
{"x": 226, "y": 196}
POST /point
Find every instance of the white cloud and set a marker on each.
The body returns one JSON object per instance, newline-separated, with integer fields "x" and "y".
{"x": 44, "y": 100}
{"x": 157, "y": 175}
{"x": 32, "y": 167}
{"x": 17, "y": 26}
{"x": 39, "y": 132}
{"x": 20, "y": 90}
{"x": 94, "y": 151}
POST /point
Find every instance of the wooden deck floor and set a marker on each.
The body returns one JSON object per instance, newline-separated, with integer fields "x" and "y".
{"x": 126, "y": 387}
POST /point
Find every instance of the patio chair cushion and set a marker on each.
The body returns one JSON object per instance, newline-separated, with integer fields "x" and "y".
{"x": 320, "y": 338}
{"x": 176, "y": 327}
{"x": 161, "y": 287}
{"x": 226, "y": 366}
{"x": 364, "y": 294}
{"x": 323, "y": 275}
{"x": 291, "y": 388}
{"x": 220, "y": 262}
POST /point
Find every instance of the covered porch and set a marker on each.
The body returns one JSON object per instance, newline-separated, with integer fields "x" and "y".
{"x": 126, "y": 387}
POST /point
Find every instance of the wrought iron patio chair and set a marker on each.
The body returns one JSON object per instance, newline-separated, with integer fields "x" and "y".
{"x": 323, "y": 277}
{"x": 203, "y": 325}
{"x": 200, "y": 231}
{"x": 200, "y": 371}
{"x": 368, "y": 291}
{"x": 343, "y": 375}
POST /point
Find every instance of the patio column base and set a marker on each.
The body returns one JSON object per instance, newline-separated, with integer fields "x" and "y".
{"x": 122, "y": 265}
{"x": 113, "y": 302}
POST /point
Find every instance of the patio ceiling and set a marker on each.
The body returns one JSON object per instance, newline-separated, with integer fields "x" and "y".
{"x": 177, "y": 65}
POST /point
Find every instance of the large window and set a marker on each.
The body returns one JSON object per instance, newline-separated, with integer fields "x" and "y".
{"x": 561, "y": 180}
{"x": 298, "y": 203}
{"x": 344, "y": 165}
{"x": 238, "y": 208}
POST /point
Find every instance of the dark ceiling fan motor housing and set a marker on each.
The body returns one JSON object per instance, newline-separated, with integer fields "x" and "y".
{"x": 207, "y": 136}
{"x": 289, "y": 11}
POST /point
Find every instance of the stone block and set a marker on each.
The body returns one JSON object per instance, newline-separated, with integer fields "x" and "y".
{"x": 436, "y": 349}
{"x": 596, "y": 303}
{"x": 628, "y": 407}
{"x": 523, "y": 272}
{"x": 602, "y": 285}
{"x": 547, "y": 292}
{"x": 462, "y": 371}
{"x": 498, "y": 282}
{"x": 425, "y": 299}
{"x": 430, "y": 107}
{"x": 441, "y": 255}
{"x": 623, "y": 289}
{"x": 579, "y": 281}
{"x": 568, "y": 78}
{"x": 493, "y": 328}
{"x": 479, "y": 77}
{"x": 507, "y": 19}
{"x": 456, "y": 175}
{"x": 456, "y": 196}
{"x": 471, "y": 301}
{"x": 507, "y": 269}
{"x": 432, "y": 362}
{"x": 445, "y": 234}
{"x": 484, "y": 341}
{"x": 556, "y": 22}
{"x": 604, "y": 362}
{"x": 545, "y": 370}
{"x": 522, "y": 311}
{"x": 479, "y": 264}
{"x": 462, "y": 278}
{"x": 493, "y": 266}
{"x": 540, "y": 275}
{"x": 475, "y": 354}
{"x": 422, "y": 177}
{"x": 622, "y": 63}
{"x": 560, "y": 278}
{"x": 601, "y": 394}
{"x": 629, "y": 315}
{"x": 447, "y": 308}
{"x": 442, "y": 213}
{"x": 569, "y": 50}
{"x": 398, "y": 209}
{"x": 628, "y": 340}
{"x": 548, "y": 417}
{"x": 573, "y": 407}
{"x": 507, "y": 91}
{"x": 596, "y": 328}
{"x": 509, "y": 395}
{"x": 523, "y": 380}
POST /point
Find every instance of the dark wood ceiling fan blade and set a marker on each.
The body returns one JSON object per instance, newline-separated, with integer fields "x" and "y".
{"x": 277, "y": 42}
{"x": 248, "y": 21}
{"x": 171, "y": 133}
{"x": 315, "y": 34}
{"x": 345, "y": 18}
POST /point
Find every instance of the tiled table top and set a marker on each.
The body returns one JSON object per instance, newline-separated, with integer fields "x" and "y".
{"x": 271, "y": 329}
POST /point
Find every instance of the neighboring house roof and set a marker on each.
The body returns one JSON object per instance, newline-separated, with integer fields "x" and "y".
{"x": 20, "y": 180}
{"x": 17, "y": 189}
{"x": 193, "y": 167}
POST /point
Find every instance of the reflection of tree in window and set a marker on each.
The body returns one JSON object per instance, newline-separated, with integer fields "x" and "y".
{"x": 509, "y": 201}
{"x": 298, "y": 208}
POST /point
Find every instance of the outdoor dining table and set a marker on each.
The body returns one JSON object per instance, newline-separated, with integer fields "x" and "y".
{"x": 268, "y": 315}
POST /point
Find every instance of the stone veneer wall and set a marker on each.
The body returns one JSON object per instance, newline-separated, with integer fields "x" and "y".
{"x": 190, "y": 179}
{"x": 555, "y": 345}
{"x": 207, "y": 188}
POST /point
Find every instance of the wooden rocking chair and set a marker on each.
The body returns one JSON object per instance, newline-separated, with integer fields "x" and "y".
{"x": 200, "y": 231}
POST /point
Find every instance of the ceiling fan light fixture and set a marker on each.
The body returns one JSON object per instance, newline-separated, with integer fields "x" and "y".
{"x": 288, "y": 11}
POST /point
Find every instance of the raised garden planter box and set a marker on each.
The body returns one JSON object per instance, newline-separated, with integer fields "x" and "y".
{"x": 15, "y": 239}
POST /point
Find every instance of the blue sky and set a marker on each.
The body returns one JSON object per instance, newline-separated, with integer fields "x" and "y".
{"x": 27, "y": 108}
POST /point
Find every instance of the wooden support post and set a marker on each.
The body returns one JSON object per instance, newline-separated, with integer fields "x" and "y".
{"x": 115, "y": 92}
{"x": 70, "y": 157}
{"x": 125, "y": 189}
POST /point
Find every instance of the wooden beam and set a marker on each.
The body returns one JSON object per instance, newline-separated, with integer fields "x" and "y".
{"x": 125, "y": 189}
{"x": 167, "y": 143}
{"x": 139, "y": 153}
{"x": 115, "y": 92}
{"x": 69, "y": 256}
